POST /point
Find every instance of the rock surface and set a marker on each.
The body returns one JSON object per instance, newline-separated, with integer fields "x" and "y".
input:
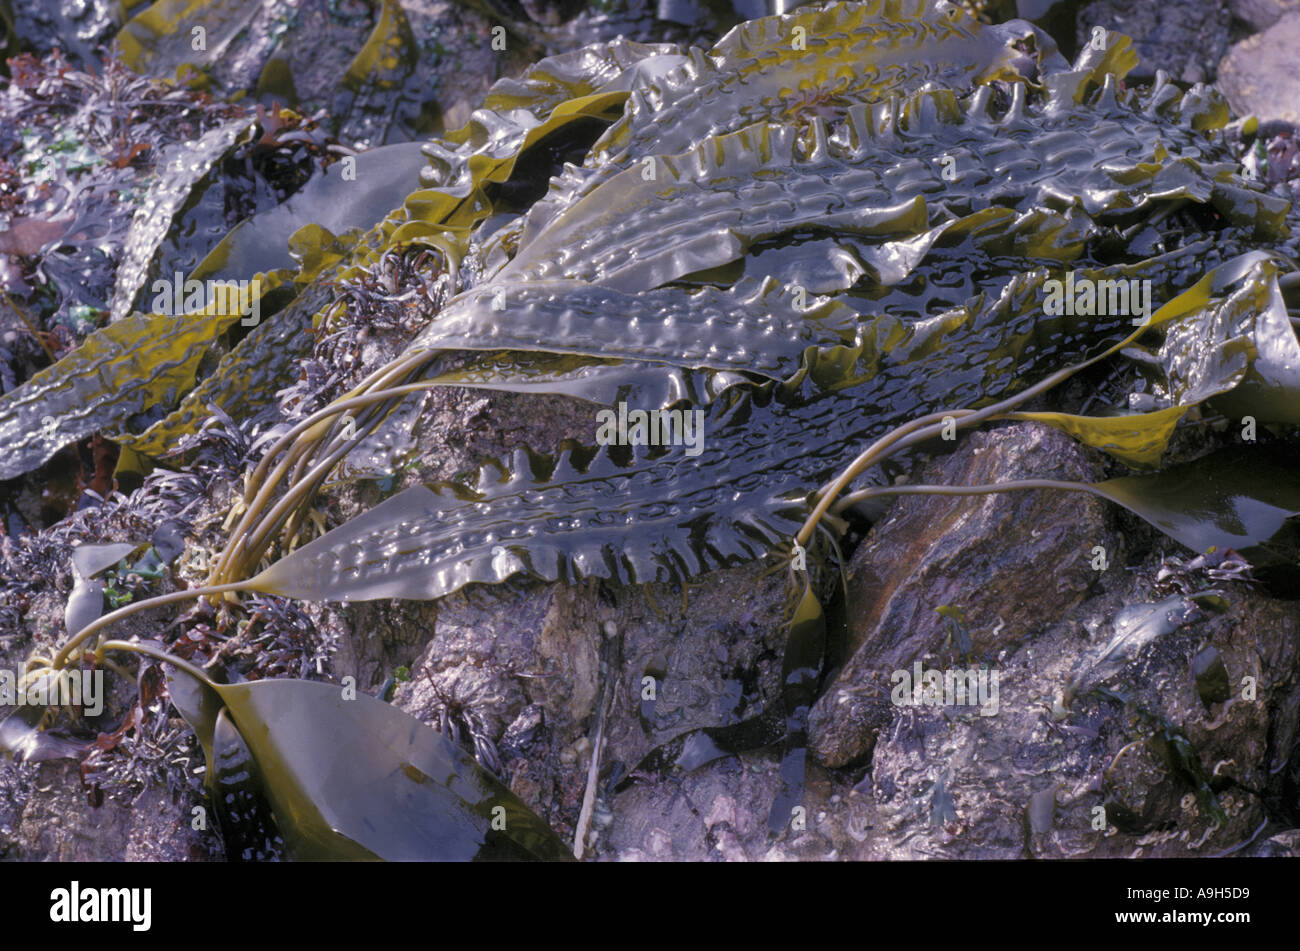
{"x": 1261, "y": 14}
{"x": 980, "y": 554}
{"x": 1185, "y": 38}
{"x": 1258, "y": 75}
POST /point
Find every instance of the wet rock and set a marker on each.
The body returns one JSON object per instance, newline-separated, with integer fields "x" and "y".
{"x": 1261, "y": 14}
{"x": 1009, "y": 562}
{"x": 1185, "y": 38}
{"x": 44, "y": 815}
{"x": 1285, "y": 845}
{"x": 1258, "y": 75}
{"x": 1136, "y": 766}
{"x": 522, "y": 667}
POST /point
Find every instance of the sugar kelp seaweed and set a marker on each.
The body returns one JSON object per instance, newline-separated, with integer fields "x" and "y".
{"x": 343, "y": 777}
{"x": 149, "y": 361}
{"x": 1024, "y": 190}
{"x": 249, "y": 44}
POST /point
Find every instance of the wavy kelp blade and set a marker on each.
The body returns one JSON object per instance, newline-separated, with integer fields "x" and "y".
{"x": 353, "y": 779}
{"x": 516, "y": 114}
{"x": 860, "y": 52}
{"x": 632, "y": 234}
{"x": 128, "y": 367}
{"x": 355, "y": 193}
{"x": 598, "y": 513}
{"x": 673, "y": 215}
{"x": 754, "y": 326}
{"x": 1245, "y": 498}
{"x": 732, "y": 483}
{"x": 159, "y": 39}
{"x": 596, "y": 380}
{"x": 181, "y": 168}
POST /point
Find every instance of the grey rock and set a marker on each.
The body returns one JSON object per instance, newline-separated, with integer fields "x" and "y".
{"x": 1182, "y": 37}
{"x": 980, "y": 554}
{"x": 1261, "y": 14}
{"x": 1258, "y": 75}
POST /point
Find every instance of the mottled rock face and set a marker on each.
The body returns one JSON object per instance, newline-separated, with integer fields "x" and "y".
{"x": 1098, "y": 781}
{"x": 1261, "y": 14}
{"x": 1000, "y": 559}
{"x": 44, "y": 816}
{"x": 1134, "y": 764}
{"x": 1258, "y": 75}
{"x": 1185, "y": 38}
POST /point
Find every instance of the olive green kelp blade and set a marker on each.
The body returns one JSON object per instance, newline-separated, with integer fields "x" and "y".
{"x": 847, "y": 52}
{"x": 734, "y": 483}
{"x": 878, "y": 172}
{"x": 146, "y": 362}
{"x": 1246, "y": 498}
{"x": 357, "y": 779}
{"x": 130, "y": 366}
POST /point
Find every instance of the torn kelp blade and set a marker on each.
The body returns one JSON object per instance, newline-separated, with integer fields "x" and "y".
{"x": 517, "y": 113}
{"x": 182, "y": 167}
{"x": 22, "y": 737}
{"x": 126, "y": 368}
{"x": 354, "y": 193}
{"x": 358, "y": 779}
{"x": 1245, "y": 498}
